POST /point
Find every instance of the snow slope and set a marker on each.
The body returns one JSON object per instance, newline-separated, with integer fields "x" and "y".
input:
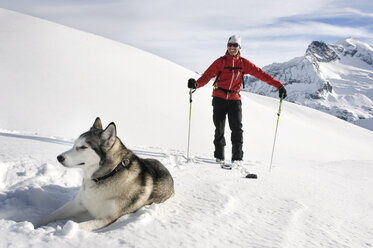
{"x": 43, "y": 63}
{"x": 300, "y": 203}
{"x": 318, "y": 193}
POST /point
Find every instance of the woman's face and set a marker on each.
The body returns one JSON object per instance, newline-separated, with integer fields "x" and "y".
{"x": 233, "y": 48}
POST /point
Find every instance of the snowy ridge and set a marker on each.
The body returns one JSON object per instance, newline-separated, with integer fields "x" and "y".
{"x": 46, "y": 64}
{"x": 336, "y": 79}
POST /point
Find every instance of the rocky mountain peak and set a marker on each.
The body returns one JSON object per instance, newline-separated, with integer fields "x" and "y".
{"x": 321, "y": 52}
{"x": 354, "y": 48}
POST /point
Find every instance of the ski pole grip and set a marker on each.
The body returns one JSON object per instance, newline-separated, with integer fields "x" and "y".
{"x": 191, "y": 91}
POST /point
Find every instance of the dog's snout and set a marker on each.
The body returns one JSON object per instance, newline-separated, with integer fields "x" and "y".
{"x": 60, "y": 158}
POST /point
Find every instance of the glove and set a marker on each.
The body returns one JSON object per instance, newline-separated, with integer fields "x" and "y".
{"x": 282, "y": 92}
{"x": 192, "y": 83}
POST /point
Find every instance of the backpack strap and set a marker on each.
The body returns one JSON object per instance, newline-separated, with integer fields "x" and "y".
{"x": 227, "y": 91}
{"x": 219, "y": 73}
{"x": 243, "y": 74}
{"x": 232, "y": 68}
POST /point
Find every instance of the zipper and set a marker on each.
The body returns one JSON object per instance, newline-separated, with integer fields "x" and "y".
{"x": 230, "y": 86}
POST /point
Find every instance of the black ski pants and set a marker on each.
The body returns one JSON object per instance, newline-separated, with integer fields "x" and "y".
{"x": 232, "y": 108}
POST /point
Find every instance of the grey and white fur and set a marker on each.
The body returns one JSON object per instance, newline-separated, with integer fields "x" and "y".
{"x": 115, "y": 181}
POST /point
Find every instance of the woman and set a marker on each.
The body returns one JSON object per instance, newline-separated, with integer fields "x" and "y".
{"x": 229, "y": 71}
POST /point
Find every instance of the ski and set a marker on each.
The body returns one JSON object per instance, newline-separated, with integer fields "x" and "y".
{"x": 226, "y": 166}
{"x": 251, "y": 176}
{"x": 243, "y": 170}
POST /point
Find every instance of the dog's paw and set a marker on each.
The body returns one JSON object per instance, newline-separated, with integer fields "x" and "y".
{"x": 70, "y": 228}
{"x": 38, "y": 224}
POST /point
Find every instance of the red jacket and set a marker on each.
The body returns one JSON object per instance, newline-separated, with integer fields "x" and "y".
{"x": 232, "y": 70}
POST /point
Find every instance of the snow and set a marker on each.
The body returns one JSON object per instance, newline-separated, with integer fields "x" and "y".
{"x": 366, "y": 123}
{"x": 318, "y": 193}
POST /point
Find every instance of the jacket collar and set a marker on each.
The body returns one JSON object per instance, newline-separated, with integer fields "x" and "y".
{"x": 237, "y": 57}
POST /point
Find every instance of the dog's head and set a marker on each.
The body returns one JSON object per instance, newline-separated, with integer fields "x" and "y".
{"x": 91, "y": 147}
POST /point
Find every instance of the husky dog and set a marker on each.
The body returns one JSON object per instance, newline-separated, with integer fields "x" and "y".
{"x": 115, "y": 181}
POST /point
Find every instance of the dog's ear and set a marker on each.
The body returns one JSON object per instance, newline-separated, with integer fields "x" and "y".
{"x": 97, "y": 124}
{"x": 108, "y": 136}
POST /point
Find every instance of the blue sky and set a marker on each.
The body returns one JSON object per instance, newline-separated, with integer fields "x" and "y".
{"x": 193, "y": 33}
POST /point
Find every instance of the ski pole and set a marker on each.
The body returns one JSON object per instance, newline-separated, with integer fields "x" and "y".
{"x": 191, "y": 91}
{"x": 274, "y": 141}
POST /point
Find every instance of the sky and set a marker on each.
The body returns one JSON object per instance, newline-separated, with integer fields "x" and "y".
{"x": 193, "y": 33}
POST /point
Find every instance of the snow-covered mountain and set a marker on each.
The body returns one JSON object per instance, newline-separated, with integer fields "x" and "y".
{"x": 55, "y": 80}
{"x": 336, "y": 79}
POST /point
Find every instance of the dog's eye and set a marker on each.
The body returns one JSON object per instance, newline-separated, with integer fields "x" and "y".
{"x": 81, "y": 147}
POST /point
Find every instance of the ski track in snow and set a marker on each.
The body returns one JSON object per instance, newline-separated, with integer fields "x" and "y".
{"x": 217, "y": 208}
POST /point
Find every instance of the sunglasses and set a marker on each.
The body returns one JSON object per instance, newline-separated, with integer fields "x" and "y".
{"x": 233, "y": 44}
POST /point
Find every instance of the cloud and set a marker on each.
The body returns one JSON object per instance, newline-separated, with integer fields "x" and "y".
{"x": 193, "y": 33}
{"x": 358, "y": 12}
{"x": 307, "y": 28}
